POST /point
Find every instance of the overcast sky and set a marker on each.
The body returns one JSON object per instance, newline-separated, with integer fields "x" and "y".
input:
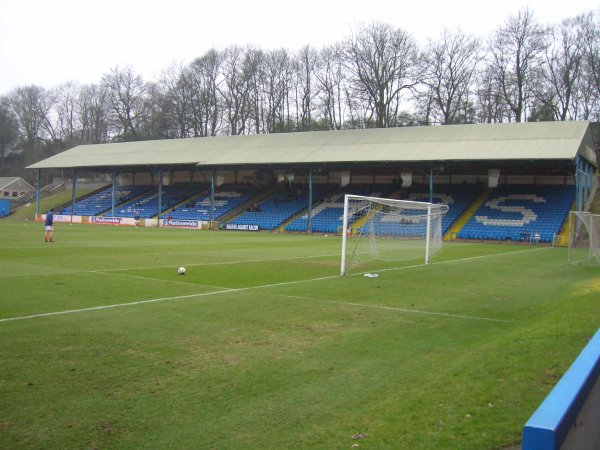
{"x": 49, "y": 42}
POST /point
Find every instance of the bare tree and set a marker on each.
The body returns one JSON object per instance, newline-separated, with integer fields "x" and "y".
{"x": 450, "y": 65}
{"x": 306, "y": 90}
{"x": 516, "y": 50}
{"x": 276, "y": 88}
{"x": 491, "y": 107}
{"x": 563, "y": 60}
{"x": 8, "y": 129}
{"x": 93, "y": 114}
{"x": 127, "y": 99}
{"x": 175, "y": 98}
{"x": 331, "y": 82}
{"x": 205, "y": 105}
{"x": 28, "y": 106}
{"x": 382, "y": 63}
{"x": 66, "y": 113}
{"x": 589, "y": 87}
{"x": 240, "y": 93}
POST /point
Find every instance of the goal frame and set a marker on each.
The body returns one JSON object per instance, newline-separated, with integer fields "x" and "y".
{"x": 583, "y": 221}
{"x": 388, "y": 201}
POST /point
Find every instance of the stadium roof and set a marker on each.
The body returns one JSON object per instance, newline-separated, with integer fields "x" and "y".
{"x": 507, "y": 141}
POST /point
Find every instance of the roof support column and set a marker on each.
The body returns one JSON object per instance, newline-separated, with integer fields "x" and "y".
{"x": 212, "y": 197}
{"x": 584, "y": 182}
{"x": 578, "y": 184}
{"x": 74, "y": 193}
{"x": 38, "y": 180}
{"x": 112, "y": 194}
{"x": 590, "y": 178}
{"x": 310, "y": 201}
{"x": 159, "y": 195}
{"x": 431, "y": 185}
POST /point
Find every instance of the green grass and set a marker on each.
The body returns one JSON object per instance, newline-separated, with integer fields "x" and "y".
{"x": 262, "y": 345}
{"x": 46, "y": 203}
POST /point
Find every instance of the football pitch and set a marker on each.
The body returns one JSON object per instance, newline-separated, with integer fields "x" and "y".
{"x": 262, "y": 345}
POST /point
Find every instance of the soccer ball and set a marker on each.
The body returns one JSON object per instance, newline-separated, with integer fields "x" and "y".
{"x": 181, "y": 271}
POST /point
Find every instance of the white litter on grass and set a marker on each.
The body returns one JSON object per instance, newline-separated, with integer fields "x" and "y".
{"x": 371, "y": 275}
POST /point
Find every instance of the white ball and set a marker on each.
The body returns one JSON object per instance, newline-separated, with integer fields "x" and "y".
{"x": 181, "y": 271}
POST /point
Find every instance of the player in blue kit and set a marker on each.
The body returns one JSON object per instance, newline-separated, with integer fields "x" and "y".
{"x": 49, "y": 226}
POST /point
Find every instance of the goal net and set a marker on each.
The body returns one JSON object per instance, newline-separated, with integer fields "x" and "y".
{"x": 584, "y": 237}
{"x": 388, "y": 230}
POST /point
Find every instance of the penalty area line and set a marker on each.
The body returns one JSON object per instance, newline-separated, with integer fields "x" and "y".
{"x": 395, "y": 308}
{"x": 163, "y": 299}
{"x": 116, "y": 305}
{"x": 285, "y": 283}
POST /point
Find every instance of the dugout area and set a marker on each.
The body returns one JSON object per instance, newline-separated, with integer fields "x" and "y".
{"x": 293, "y": 182}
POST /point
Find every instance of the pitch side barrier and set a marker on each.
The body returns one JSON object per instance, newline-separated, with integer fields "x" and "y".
{"x": 569, "y": 417}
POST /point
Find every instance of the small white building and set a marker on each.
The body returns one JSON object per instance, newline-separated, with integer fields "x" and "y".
{"x": 14, "y": 187}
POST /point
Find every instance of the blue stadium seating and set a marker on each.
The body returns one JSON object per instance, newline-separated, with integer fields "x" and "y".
{"x": 275, "y": 210}
{"x": 147, "y": 205}
{"x": 102, "y": 201}
{"x": 521, "y": 213}
{"x": 457, "y": 196}
{"x": 327, "y": 215}
{"x": 226, "y": 199}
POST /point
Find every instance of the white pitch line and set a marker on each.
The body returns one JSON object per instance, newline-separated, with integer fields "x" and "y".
{"x": 205, "y": 294}
{"x": 163, "y": 299}
{"x": 116, "y": 305}
{"x": 223, "y": 263}
{"x": 395, "y": 308}
{"x": 159, "y": 280}
{"x": 220, "y": 263}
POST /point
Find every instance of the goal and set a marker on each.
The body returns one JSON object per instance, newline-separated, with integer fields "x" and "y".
{"x": 382, "y": 229}
{"x": 584, "y": 237}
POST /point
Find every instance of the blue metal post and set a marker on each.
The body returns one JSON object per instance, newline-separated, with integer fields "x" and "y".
{"x": 74, "y": 193}
{"x": 212, "y": 196}
{"x": 585, "y": 182}
{"x": 431, "y": 185}
{"x": 578, "y": 183}
{"x": 310, "y": 200}
{"x": 112, "y": 200}
{"x": 590, "y": 178}
{"x": 159, "y": 195}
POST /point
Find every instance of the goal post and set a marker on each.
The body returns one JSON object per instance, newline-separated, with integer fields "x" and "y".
{"x": 386, "y": 229}
{"x": 584, "y": 237}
